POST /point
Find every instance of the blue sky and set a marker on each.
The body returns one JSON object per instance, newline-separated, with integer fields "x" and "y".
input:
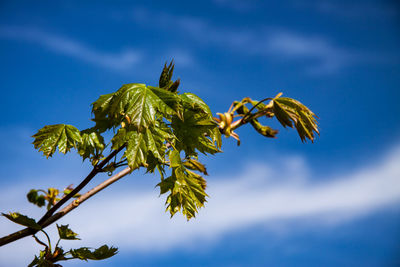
{"x": 272, "y": 202}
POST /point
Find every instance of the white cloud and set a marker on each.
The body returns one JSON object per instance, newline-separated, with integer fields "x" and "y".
{"x": 259, "y": 194}
{"x": 328, "y": 58}
{"x": 319, "y": 54}
{"x": 123, "y": 60}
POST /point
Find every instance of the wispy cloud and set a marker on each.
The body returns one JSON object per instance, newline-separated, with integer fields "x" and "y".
{"x": 328, "y": 58}
{"x": 123, "y": 60}
{"x": 317, "y": 53}
{"x": 240, "y": 201}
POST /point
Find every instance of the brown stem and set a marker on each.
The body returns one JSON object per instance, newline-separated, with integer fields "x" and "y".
{"x": 29, "y": 231}
{"x": 88, "y": 178}
{"x": 86, "y": 196}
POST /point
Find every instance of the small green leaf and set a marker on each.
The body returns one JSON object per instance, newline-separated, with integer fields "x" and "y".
{"x": 101, "y": 253}
{"x": 65, "y": 233}
{"x": 92, "y": 145}
{"x": 35, "y": 198}
{"x": 62, "y": 136}
{"x": 22, "y": 220}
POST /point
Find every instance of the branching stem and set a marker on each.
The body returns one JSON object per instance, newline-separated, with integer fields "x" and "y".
{"x": 45, "y": 220}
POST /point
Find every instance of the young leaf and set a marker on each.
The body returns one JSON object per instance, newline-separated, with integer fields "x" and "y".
{"x": 137, "y": 103}
{"x": 139, "y": 144}
{"x": 192, "y": 132}
{"x": 62, "y": 136}
{"x": 92, "y": 145}
{"x": 65, "y": 233}
{"x": 35, "y": 198}
{"x": 100, "y": 109}
{"x": 101, "y": 253}
{"x": 291, "y": 112}
{"x": 22, "y": 220}
{"x": 186, "y": 188}
{"x": 194, "y": 103}
{"x": 195, "y": 165}
{"x": 166, "y": 75}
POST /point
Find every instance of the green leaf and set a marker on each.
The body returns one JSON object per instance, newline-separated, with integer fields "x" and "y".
{"x": 22, "y": 220}
{"x": 195, "y": 165}
{"x": 166, "y": 75}
{"x": 138, "y": 104}
{"x": 187, "y": 189}
{"x": 92, "y": 145}
{"x": 62, "y": 136}
{"x": 290, "y": 112}
{"x": 195, "y": 103}
{"x": 35, "y": 198}
{"x": 65, "y": 233}
{"x": 101, "y": 253}
{"x": 195, "y": 132}
{"x": 139, "y": 144}
{"x": 100, "y": 109}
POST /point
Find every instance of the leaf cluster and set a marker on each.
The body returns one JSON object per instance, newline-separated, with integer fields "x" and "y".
{"x": 292, "y": 113}
{"x": 48, "y": 256}
{"x": 151, "y": 124}
{"x": 289, "y": 112}
{"x": 157, "y": 128}
{"x": 89, "y": 142}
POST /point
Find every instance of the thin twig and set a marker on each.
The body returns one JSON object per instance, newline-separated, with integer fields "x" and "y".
{"x": 39, "y": 241}
{"x": 75, "y": 203}
{"x": 30, "y": 231}
{"x": 90, "y": 176}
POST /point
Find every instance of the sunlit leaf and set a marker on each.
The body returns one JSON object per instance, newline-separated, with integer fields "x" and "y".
{"x": 195, "y": 132}
{"x": 136, "y": 103}
{"x": 139, "y": 144}
{"x": 195, "y": 165}
{"x": 62, "y": 136}
{"x": 186, "y": 188}
{"x": 92, "y": 145}
{"x": 292, "y": 113}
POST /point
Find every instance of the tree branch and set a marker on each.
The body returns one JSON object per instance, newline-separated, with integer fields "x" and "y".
{"x": 88, "y": 178}
{"x": 86, "y": 196}
{"x": 29, "y": 231}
